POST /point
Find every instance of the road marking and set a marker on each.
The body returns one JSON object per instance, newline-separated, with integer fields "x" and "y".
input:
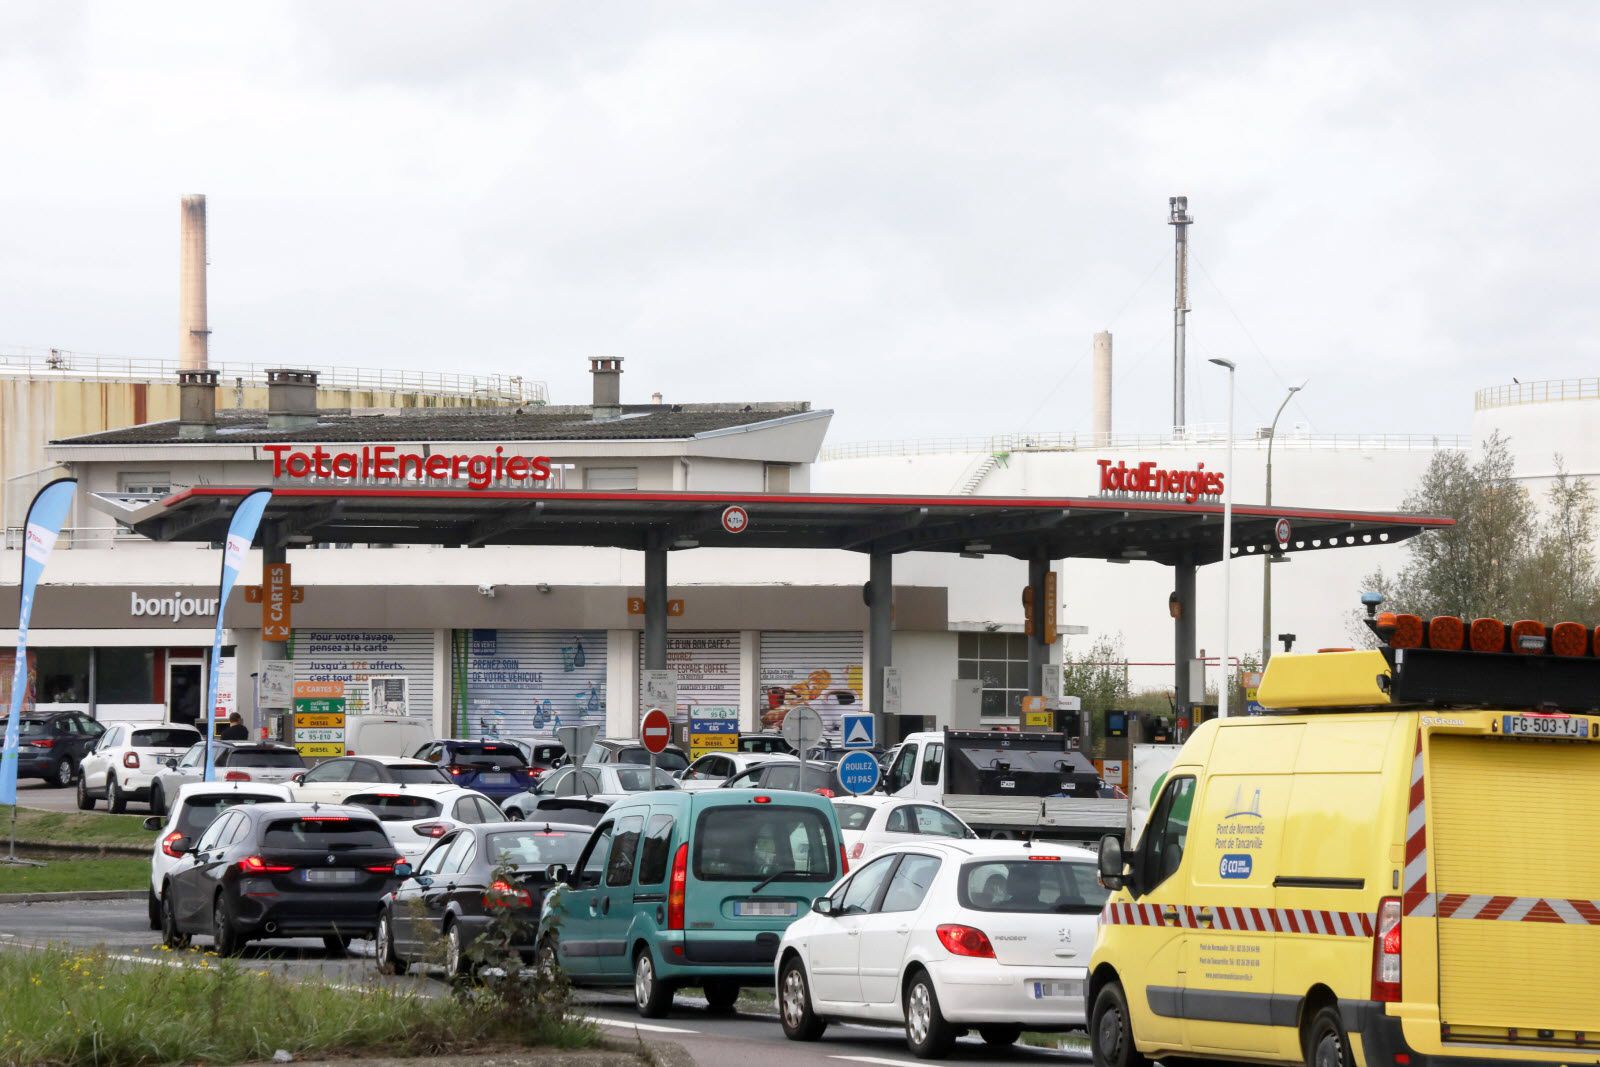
{"x": 648, "y": 1028}
{"x": 871, "y": 1059}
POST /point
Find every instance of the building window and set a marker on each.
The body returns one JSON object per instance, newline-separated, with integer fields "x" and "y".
{"x": 777, "y": 477}
{"x": 148, "y": 483}
{"x": 125, "y": 676}
{"x": 611, "y": 479}
{"x": 63, "y": 675}
{"x": 1000, "y": 663}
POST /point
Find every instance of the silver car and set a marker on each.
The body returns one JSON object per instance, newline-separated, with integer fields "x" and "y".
{"x": 264, "y": 762}
{"x": 607, "y": 783}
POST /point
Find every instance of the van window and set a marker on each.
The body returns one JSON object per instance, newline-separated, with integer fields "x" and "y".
{"x": 932, "y": 760}
{"x": 904, "y": 767}
{"x": 624, "y": 848}
{"x": 1167, "y": 834}
{"x": 1031, "y": 885}
{"x": 749, "y": 842}
{"x": 595, "y": 857}
{"x": 653, "y": 852}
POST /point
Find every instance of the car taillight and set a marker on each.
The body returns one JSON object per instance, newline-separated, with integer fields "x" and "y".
{"x": 131, "y": 759}
{"x": 430, "y": 829}
{"x": 455, "y": 770}
{"x": 503, "y": 894}
{"x": 856, "y": 849}
{"x": 48, "y": 742}
{"x": 534, "y": 772}
{"x": 1386, "y": 952}
{"x": 387, "y": 868}
{"x": 965, "y": 941}
{"x": 236, "y": 776}
{"x": 257, "y": 865}
{"x": 676, "y": 889}
{"x": 824, "y": 791}
{"x": 166, "y": 844}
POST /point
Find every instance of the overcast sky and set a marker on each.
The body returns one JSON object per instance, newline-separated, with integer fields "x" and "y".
{"x": 914, "y": 213}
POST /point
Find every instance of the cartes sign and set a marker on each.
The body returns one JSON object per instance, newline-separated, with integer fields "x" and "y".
{"x": 275, "y": 610}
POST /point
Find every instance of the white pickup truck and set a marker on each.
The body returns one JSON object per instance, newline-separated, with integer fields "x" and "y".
{"x": 1007, "y": 785}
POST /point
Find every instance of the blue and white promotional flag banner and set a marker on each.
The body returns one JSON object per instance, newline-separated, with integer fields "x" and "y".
{"x": 46, "y": 515}
{"x": 241, "y": 534}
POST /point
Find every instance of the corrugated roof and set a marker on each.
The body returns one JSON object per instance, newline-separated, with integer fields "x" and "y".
{"x": 565, "y": 423}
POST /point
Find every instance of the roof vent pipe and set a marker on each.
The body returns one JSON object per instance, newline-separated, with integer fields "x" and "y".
{"x": 197, "y": 404}
{"x": 607, "y": 371}
{"x": 193, "y": 334}
{"x": 291, "y": 399}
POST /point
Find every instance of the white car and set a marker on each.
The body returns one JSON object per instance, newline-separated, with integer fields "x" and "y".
{"x": 945, "y": 936}
{"x": 196, "y": 807}
{"x": 872, "y": 823}
{"x": 606, "y": 782}
{"x": 127, "y": 759}
{"x": 416, "y": 817}
{"x": 714, "y": 768}
{"x": 332, "y": 780}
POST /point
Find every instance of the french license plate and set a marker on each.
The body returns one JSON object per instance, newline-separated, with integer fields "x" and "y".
{"x": 495, "y": 778}
{"x": 1042, "y": 990}
{"x": 1565, "y": 727}
{"x": 340, "y": 877}
{"x": 767, "y": 908}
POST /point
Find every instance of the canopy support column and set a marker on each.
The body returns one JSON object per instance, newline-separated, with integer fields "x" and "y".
{"x": 880, "y": 637}
{"x": 1183, "y": 636}
{"x": 1038, "y": 651}
{"x": 655, "y": 610}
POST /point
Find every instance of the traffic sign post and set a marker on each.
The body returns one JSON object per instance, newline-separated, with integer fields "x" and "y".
{"x": 1280, "y": 530}
{"x": 802, "y": 728}
{"x": 655, "y": 730}
{"x": 858, "y": 773}
{"x": 858, "y": 729}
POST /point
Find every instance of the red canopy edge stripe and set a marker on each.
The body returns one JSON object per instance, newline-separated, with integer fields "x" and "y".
{"x": 757, "y": 499}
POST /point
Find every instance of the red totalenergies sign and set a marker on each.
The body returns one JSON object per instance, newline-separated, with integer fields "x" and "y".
{"x": 386, "y": 463}
{"x": 1148, "y": 479}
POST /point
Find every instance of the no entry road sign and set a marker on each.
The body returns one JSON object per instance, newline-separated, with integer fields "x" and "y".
{"x": 655, "y": 730}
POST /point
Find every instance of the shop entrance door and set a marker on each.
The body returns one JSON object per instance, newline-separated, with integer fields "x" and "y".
{"x": 186, "y": 690}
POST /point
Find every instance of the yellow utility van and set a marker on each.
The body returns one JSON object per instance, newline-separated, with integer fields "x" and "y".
{"x": 1398, "y": 865}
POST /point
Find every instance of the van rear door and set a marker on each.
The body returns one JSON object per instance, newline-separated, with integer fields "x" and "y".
{"x": 1513, "y": 827}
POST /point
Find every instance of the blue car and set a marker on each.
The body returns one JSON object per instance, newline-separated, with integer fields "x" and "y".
{"x": 496, "y": 769}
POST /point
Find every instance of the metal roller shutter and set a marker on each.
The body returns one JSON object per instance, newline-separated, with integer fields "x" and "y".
{"x": 819, "y": 669}
{"x": 354, "y": 656}
{"x": 525, "y": 683}
{"x": 707, "y": 665}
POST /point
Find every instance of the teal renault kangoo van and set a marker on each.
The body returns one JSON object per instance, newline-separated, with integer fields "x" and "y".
{"x": 679, "y": 888}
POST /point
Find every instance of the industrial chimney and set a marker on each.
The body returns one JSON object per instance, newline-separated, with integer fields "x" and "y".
{"x": 192, "y": 331}
{"x": 1102, "y": 388}
{"x": 291, "y": 398}
{"x": 607, "y": 371}
{"x": 197, "y": 404}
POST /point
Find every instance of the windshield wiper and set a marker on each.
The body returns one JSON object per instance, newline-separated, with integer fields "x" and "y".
{"x": 773, "y": 878}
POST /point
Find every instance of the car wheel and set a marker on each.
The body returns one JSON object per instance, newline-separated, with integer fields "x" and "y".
{"x": 721, "y": 993}
{"x": 65, "y": 774}
{"x": 383, "y": 948}
{"x": 114, "y": 798}
{"x": 85, "y": 801}
{"x": 800, "y": 1023}
{"x": 651, "y": 995}
{"x": 225, "y": 939}
{"x": 456, "y": 964}
{"x": 928, "y": 1036}
{"x": 336, "y": 944}
{"x": 171, "y": 936}
{"x": 154, "y": 904}
{"x": 158, "y": 800}
{"x": 1111, "y": 1031}
{"x": 1325, "y": 1042}
{"x": 999, "y": 1036}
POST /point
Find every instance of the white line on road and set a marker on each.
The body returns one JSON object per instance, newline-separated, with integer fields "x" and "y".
{"x": 871, "y": 1059}
{"x": 648, "y": 1028}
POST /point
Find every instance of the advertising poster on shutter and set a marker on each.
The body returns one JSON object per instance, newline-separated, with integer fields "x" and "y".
{"x": 357, "y": 657}
{"x": 707, "y": 666}
{"x": 526, "y": 683}
{"x": 819, "y": 670}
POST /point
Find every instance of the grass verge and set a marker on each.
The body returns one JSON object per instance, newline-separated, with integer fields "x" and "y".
{"x": 82, "y": 1010}
{"x": 76, "y": 827}
{"x": 66, "y": 875}
{"x": 1070, "y": 1041}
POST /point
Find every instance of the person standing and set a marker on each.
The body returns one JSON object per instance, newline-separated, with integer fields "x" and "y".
{"x": 236, "y": 730}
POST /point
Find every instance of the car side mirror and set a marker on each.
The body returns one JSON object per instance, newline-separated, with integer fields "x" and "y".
{"x": 822, "y": 905}
{"x": 557, "y": 872}
{"x": 424, "y": 880}
{"x": 179, "y": 846}
{"x": 1112, "y": 864}
{"x": 299, "y": 779}
{"x": 153, "y": 822}
{"x": 402, "y": 870}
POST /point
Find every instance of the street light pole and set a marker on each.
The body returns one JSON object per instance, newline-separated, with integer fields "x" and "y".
{"x": 1266, "y": 559}
{"x": 1227, "y": 547}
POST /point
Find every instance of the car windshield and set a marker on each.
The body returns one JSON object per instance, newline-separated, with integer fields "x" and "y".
{"x": 487, "y": 757}
{"x": 750, "y": 842}
{"x": 637, "y": 779}
{"x": 197, "y": 813}
{"x": 326, "y": 833}
{"x": 853, "y": 816}
{"x": 397, "y": 807}
{"x": 414, "y": 775}
{"x": 1040, "y": 884}
{"x": 533, "y": 848}
{"x": 669, "y": 759}
{"x": 163, "y": 738}
{"x": 265, "y": 757}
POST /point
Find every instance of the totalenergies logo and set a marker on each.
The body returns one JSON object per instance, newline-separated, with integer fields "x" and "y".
{"x": 385, "y": 463}
{"x": 1148, "y": 479}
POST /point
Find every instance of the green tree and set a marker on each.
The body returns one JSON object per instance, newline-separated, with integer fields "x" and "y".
{"x": 1560, "y": 580}
{"x": 1099, "y": 677}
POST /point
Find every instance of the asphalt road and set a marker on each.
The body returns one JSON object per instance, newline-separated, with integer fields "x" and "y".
{"x": 752, "y": 1035}
{"x": 33, "y": 793}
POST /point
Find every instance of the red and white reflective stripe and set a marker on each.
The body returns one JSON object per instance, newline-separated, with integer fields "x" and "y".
{"x": 1415, "y": 898}
{"x": 1519, "y": 909}
{"x": 1243, "y": 920}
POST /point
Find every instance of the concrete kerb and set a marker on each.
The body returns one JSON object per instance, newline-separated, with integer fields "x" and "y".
{"x": 85, "y": 894}
{"x": 614, "y": 1054}
{"x": 86, "y": 850}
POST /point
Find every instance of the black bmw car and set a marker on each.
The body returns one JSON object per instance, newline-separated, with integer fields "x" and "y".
{"x": 280, "y": 870}
{"x": 455, "y": 892}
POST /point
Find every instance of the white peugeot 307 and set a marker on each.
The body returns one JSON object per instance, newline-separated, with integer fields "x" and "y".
{"x": 946, "y": 936}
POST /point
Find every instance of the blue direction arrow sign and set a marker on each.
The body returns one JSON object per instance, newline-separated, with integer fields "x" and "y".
{"x": 858, "y": 773}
